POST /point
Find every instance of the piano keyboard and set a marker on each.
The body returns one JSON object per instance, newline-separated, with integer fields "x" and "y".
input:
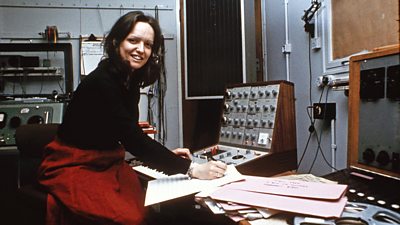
{"x": 149, "y": 172}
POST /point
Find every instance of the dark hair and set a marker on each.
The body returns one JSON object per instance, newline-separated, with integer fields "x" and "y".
{"x": 150, "y": 72}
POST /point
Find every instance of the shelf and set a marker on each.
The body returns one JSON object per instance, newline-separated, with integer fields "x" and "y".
{"x": 31, "y": 72}
{"x": 64, "y": 73}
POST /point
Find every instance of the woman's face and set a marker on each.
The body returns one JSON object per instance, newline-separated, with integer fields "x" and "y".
{"x": 136, "y": 47}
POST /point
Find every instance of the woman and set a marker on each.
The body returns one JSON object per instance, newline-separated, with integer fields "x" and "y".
{"x": 83, "y": 168}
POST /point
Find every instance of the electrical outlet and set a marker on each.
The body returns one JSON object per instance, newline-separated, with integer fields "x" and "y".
{"x": 322, "y": 81}
{"x": 316, "y": 43}
{"x": 324, "y": 111}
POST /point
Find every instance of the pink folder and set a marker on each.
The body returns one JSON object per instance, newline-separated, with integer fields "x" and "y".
{"x": 320, "y": 208}
{"x": 295, "y": 188}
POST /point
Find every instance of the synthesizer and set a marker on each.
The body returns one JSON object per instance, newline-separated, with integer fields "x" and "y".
{"x": 258, "y": 130}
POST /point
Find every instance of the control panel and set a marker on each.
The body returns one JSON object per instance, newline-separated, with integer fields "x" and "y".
{"x": 16, "y": 113}
{"x": 249, "y": 116}
{"x": 374, "y": 112}
{"x": 258, "y": 121}
{"x": 227, "y": 154}
{"x": 379, "y": 99}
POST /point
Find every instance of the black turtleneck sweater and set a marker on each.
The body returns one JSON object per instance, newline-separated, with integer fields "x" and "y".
{"x": 103, "y": 113}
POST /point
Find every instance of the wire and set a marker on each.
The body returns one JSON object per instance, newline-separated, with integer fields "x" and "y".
{"x": 304, "y": 152}
{"x": 161, "y": 88}
{"x": 311, "y": 128}
{"x": 319, "y": 137}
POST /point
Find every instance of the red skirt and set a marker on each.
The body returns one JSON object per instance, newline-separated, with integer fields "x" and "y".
{"x": 90, "y": 187}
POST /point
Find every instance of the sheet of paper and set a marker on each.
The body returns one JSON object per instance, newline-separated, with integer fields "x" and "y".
{"x": 309, "y": 178}
{"x": 149, "y": 172}
{"x": 306, "y": 206}
{"x": 233, "y": 206}
{"x": 171, "y": 187}
{"x": 214, "y": 206}
{"x": 295, "y": 188}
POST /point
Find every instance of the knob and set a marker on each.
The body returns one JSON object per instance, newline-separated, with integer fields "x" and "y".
{"x": 228, "y": 94}
{"x": 249, "y": 121}
{"x": 15, "y": 122}
{"x": 274, "y": 93}
{"x": 251, "y": 108}
{"x": 368, "y": 155}
{"x": 383, "y": 158}
{"x": 263, "y": 123}
{"x": 36, "y": 120}
{"x": 267, "y": 93}
{"x": 260, "y": 93}
{"x": 255, "y": 122}
{"x": 226, "y": 107}
{"x": 272, "y": 108}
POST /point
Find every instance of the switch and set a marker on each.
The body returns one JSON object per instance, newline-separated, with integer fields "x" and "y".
{"x": 262, "y": 138}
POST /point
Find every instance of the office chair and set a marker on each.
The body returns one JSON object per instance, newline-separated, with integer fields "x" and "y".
{"x": 31, "y": 140}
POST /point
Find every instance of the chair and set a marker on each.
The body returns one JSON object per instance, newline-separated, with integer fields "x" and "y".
{"x": 31, "y": 140}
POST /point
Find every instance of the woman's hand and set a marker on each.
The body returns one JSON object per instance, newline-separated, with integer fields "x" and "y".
{"x": 183, "y": 152}
{"x": 209, "y": 170}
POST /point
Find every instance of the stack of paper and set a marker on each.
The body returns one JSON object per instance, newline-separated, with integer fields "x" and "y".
{"x": 276, "y": 194}
{"x": 179, "y": 185}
